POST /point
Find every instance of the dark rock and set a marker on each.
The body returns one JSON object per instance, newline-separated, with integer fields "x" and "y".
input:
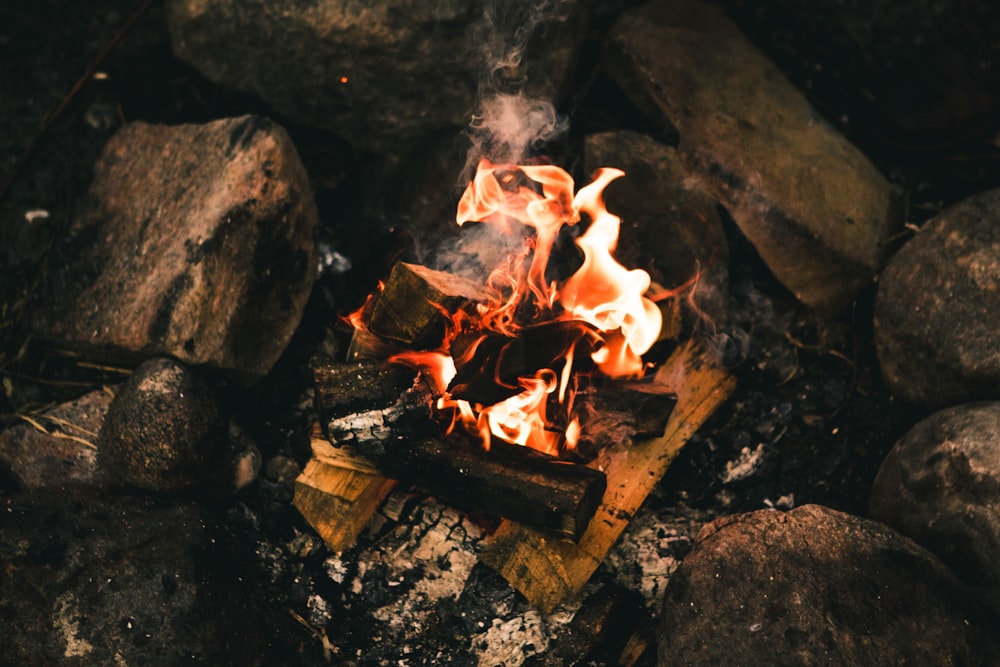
{"x": 816, "y": 586}
{"x": 380, "y": 74}
{"x": 814, "y": 207}
{"x": 163, "y": 429}
{"x": 90, "y": 580}
{"x": 937, "y": 310}
{"x": 670, "y": 225}
{"x": 65, "y": 452}
{"x": 940, "y": 485}
{"x": 197, "y": 243}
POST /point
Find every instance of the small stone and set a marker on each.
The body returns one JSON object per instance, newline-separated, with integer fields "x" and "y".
{"x": 816, "y": 586}
{"x": 937, "y": 310}
{"x": 65, "y": 452}
{"x": 163, "y": 429}
{"x": 813, "y": 206}
{"x": 197, "y": 243}
{"x": 940, "y": 485}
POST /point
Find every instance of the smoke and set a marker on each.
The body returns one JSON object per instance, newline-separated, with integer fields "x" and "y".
{"x": 510, "y": 124}
{"x": 509, "y": 127}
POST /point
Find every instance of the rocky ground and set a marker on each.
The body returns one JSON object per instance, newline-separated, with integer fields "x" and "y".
{"x": 811, "y": 422}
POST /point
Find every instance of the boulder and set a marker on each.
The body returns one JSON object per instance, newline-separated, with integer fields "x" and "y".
{"x": 940, "y": 485}
{"x": 380, "y": 74}
{"x": 197, "y": 242}
{"x": 814, "y": 586}
{"x": 57, "y": 447}
{"x": 670, "y": 225}
{"x": 814, "y": 207}
{"x": 937, "y": 309}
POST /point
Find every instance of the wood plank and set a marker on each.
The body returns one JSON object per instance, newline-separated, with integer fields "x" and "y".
{"x": 547, "y": 570}
{"x": 338, "y": 492}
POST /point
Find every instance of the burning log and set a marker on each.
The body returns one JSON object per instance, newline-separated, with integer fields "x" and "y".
{"x": 548, "y": 571}
{"x": 514, "y": 482}
{"x": 383, "y": 413}
{"x": 411, "y": 308}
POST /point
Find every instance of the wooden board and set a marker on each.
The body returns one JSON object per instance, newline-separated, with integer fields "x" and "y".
{"x": 547, "y": 570}
{"x": 338, "y": 492}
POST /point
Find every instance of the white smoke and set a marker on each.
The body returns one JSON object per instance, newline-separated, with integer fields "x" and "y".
{"x": 509, "y": 124}
{"x": 508, "y": 127}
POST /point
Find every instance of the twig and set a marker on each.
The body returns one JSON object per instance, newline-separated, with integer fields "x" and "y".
{"x": 71, "y": 95}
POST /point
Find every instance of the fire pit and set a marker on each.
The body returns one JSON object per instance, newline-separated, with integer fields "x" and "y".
{"x": 266, "y": 402}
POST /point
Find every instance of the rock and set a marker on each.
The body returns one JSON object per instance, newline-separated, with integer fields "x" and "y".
{"x": 814, "y": 207}
{"x": 379, "y": 74}
{"x": 670, "y": 227}
{"x": 163, "y": 429}
{"x": 93, "y": 580}
{"x": 65, "y": 452}
{"x": 197, "y": 243}
{"x": 937, "y": 309}
{"x": 815, "y": 586}
{"x": 940, "y": 485}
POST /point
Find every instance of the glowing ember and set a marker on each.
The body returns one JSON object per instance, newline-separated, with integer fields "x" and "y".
{"x": 616, "y": 322}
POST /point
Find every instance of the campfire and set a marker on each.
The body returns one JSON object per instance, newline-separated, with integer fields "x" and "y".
{"x": 542, "y": 391}
{"x": 510, "y": 366}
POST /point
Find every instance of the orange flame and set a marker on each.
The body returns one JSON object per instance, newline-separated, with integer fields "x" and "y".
{"x": 601, "y": 293}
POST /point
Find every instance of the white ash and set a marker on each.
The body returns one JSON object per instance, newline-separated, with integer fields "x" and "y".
{"x": 336, "y": 569}
{"x": 747, "y": 463}
{"x": 785, "y": 502}
{"x": 434, "y": 546}
{"x": 319, "y": 611}
{"x": 510, "y": 642}
{"x": 651, "y": 548}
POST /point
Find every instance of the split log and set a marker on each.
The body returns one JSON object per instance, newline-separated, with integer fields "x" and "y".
{"x": 411, "y": 307}
{"x": 511, "y": 481}
{"x": 369, "y": 404}
{"x": 548, "y": 571}
{"x": 338, "y": 492}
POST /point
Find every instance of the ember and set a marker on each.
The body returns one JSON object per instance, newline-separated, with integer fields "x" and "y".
{"x": 599, "y": 317}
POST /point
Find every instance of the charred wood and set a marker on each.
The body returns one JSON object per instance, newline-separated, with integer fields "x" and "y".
{"x": 511, "y": 481}
{"x": 413, "y": 305}
{"x": 368, "y": 405}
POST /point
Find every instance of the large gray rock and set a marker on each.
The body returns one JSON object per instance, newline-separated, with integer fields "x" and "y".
{"x": 937, "y": 310}
{"x": 58, "y": 447}
{"x": 197, "y": 243}
{"x": 940, "y": 485}
{"x": 815, "y": 208}
{"x": 670, "y": 225}
{"x": 92, "y": 580}
{"x": 814, "y": 586}
{"x": 379, "y": 73}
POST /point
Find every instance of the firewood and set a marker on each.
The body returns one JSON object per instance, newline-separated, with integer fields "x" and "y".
{"x": 547, "y": 571}
{"x": 411, "y": 309}
{"x": 365, "y": 345}
{"x": 511, "y": 481}
{"x": 338, "y": 492}
{"x": 384, "y": 413}
{"x": 368, "y": 404}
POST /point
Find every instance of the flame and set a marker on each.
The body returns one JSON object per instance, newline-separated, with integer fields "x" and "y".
{"x": 601, "y": 293}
